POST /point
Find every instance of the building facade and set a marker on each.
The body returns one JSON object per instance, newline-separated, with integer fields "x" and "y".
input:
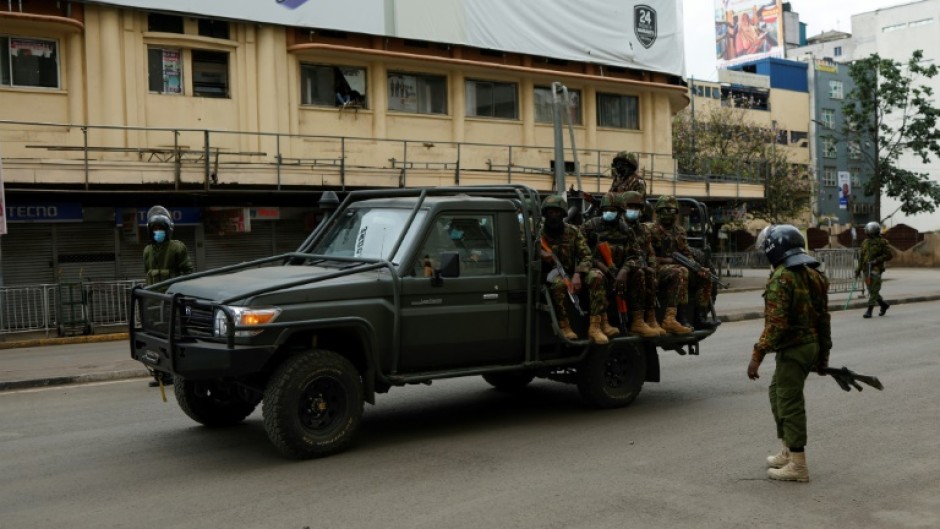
{"x": 107, "y": 109}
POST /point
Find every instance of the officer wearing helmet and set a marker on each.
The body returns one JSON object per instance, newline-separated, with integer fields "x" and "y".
{"x": 164, "y": 258}
{"x": 874, "y": 254}
{"x": 667, "y": 237}
{"x": 611, "y": 228}
{"x": 623, "y": 170}
{"x": 797, "y": 329}
{"x": 568, "y": 244}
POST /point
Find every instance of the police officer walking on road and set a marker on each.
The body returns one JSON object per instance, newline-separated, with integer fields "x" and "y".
{"x": 874, "y": 254}
{"x": 164, "y": 258}
{"x": 797, "y": 329}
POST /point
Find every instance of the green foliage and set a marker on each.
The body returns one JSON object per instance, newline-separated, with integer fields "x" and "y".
{"x": 889, "y": 112}
{"x": 730, "y": 147}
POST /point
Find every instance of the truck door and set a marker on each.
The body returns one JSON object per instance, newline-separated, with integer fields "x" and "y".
{"x": 464, "y": 320}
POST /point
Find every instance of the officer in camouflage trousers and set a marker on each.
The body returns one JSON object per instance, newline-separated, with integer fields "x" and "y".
{"x": 568, "y": 244}
{"x": 871, "y": 261}
{"x": 645, "y": 267}
{"x": 625, "y": 178}
{"x": 626, "y": 273}
{"x": 668, "y": 237}
{"x": 797, "y": 329}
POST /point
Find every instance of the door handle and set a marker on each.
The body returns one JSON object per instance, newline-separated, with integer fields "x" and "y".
{"x": 487, "y": 297}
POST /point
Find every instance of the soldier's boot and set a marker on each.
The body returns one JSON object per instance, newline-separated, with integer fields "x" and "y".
{"x": 868, "y": 312}
{"x": 671, "y": 325}
{"x": 779, "y": 460}
{"x": 609, "y": 330}
{"x": 702, "y": 321}
{"x": 594, "y": 331}
{"x": 884, "y": 307}
{"x": 794, "y": 470}
{"x": 566, "y": 331}
{"x": 652, "y": 324}
{"x": 638, "y": 327}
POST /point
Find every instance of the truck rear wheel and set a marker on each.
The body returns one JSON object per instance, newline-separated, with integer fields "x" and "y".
{"x": 509, "y": 381}
{"x": 612, "y": 376}
{"x": 211, "y": 404}
{"x": 313, "y": 404}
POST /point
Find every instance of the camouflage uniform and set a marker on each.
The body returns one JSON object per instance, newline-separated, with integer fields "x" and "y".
{"x": 797, "y": 328}
{"x": 166, "y": 260}
{"x": 625, "y": 176}
{"x": 877, "y": 251}
{"x": 675, "y": 277}
{"x": 573, "y": 253}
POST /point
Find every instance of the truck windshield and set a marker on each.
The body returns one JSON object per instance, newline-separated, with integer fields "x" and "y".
{"x": 369, "y": 233}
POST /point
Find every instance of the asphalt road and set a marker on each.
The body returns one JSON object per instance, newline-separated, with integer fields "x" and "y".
{"x": 688, "y": 453}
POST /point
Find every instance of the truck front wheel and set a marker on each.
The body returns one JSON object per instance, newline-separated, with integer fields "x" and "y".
{"x": 212, "y": 404}
{"x": 313, "y": 404}
{"x": 612, "y": 376}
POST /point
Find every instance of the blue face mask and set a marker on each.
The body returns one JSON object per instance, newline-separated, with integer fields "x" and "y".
{"x": 456, "y": 234}
{"x": 159, "y": 236}
{"x": 633, "y": 214}
{"x": 609, "y": 216}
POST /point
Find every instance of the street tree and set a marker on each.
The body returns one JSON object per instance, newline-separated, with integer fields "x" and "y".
{"x": 726, "y": 145}
{"x": 891, "y": 111}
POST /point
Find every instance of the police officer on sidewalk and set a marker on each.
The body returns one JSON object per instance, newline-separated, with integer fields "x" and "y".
{"x": 797, "y": 329}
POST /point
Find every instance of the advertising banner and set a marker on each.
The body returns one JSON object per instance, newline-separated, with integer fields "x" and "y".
{"x": 845, "y": 189}
{"x": 641, "y": 34}
{"x": 747, "y": 30}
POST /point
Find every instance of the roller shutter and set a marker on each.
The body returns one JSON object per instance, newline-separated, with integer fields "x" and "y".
{"x": 26, "y": 252}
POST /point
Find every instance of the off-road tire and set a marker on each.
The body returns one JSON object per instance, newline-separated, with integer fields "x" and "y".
{"x": 215, "y": 408}
{"x": 313, "y": 404}
{"x": 612, "y": 376}
{"x": 509, "y": 381}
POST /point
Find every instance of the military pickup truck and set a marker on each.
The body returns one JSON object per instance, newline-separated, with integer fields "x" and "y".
{"x": 396, "y": 287}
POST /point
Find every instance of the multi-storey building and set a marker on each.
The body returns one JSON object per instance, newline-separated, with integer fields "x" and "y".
{"x": 237, "y": 116}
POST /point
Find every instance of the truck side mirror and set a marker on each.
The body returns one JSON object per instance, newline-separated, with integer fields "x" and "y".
{"x": 450, "y": 267}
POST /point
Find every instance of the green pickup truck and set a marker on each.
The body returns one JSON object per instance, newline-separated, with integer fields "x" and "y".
{"x": 396, "y": 287}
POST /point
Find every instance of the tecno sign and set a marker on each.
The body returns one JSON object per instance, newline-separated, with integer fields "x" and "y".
{"x": 55, "y": 212}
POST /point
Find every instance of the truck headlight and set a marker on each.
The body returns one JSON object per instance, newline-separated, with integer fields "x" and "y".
{"x": 244, "y": 316}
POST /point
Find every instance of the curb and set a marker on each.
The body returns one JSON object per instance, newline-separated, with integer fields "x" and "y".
{"x": 833, "y": 307}
{"x": 73, "y": 379}
{"x": 68, "y": 340}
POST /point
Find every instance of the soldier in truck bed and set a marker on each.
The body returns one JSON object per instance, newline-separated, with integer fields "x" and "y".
{"x": 625, "y": 177}
{"x": 568, "y": 244}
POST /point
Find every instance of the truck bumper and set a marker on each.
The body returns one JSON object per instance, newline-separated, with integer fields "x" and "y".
{"x": 198, "y": 359}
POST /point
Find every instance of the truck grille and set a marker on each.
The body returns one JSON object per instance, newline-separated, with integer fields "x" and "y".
{"x": 194, "y": 318}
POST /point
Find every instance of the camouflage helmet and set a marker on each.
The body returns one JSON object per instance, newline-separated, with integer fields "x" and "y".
{"x": 627, "y": 159}
{"x": 611, "y": 200}
{"x": 555, "y": 201}
{"x": 631, "y": 197}
{"x": 667, "y": 201}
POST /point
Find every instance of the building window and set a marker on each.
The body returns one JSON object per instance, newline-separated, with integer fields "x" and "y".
{"x": 782, "y": 136}
{"x": 491, "y": 99}
{"x": 210, "y": 73}
{"x": 332, "y": 85}
{"x": 617, "y": 111}
{"x": 835, "y": 89}
{"x": 29, "y": 62}
{"x": 708, "y": 91}
{"x": 216, "y": 29}
{"x": 798, "y": 138}
{"x": 921, "y": 22}
{"x": 894, "y": 27}
{"x": 829, "y": 118}
{"x": 544, "y": 104}
{"x": 829, "y": 177}
{"x": 421, "y": 94}
{"x": 165, "y": 70}
{"x": 829, "y": 147}
{"x": 855, "y": 152}
{"x": 158, "y": 22}
{"x": 837, "y": 51}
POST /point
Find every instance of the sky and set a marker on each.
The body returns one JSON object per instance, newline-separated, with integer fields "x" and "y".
{"x": 819, "y": 15}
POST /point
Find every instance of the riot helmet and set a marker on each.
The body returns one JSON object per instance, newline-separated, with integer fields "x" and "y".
{"x": 625, "y": 163}
{"x": 873, "y": 229}
{"x": 783, "y": 244}
{"x": 159, "y": 219}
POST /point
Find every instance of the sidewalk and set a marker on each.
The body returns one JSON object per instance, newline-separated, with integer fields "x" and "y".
{"x": 40, "y": 361}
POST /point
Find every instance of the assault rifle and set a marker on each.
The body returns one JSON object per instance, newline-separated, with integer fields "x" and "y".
{"x": 604, "y": 250}
{"x": 848, "y": 379}
{"x": 697, "y": 268}
{"x": 559, "y": 271}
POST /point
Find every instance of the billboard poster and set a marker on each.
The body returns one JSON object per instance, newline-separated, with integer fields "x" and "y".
{"x": 747, "y": 30}
{"x": 845, "y": 189}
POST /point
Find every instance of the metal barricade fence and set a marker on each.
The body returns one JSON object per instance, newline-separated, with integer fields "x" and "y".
{"x": 839, "y": 266}
{"x": 730, "y": 264}
{"x": 32, "y": 308}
